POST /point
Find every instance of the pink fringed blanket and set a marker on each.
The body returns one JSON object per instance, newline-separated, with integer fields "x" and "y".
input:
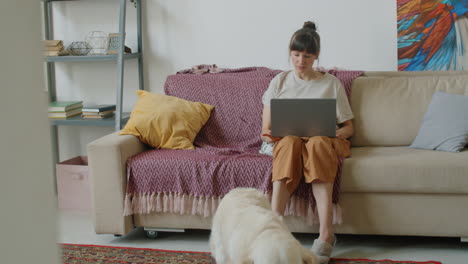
{"x": 226, "y": 154}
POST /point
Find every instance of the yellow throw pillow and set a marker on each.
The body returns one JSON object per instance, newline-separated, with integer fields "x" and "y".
{"x": 164, "y": 121}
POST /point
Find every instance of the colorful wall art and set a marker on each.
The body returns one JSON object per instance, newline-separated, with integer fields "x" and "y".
{"x": 432, "y": 35}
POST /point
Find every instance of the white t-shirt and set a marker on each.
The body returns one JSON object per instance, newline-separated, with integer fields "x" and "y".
{"x": 289, "y": 85}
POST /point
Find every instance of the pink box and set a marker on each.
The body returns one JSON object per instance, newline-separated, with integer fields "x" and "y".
{"x": 73, "y": 184}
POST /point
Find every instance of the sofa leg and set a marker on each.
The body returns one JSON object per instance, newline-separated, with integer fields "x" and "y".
{"x": 464, "y": 239}
{"x": 152, "y": 232}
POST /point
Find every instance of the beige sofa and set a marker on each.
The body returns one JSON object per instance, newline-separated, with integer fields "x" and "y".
{"x": 387, "y": 188}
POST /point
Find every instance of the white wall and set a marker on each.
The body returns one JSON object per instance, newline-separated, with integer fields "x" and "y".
{"x": 27, "y": 202}
{"x": 181, "y": 33}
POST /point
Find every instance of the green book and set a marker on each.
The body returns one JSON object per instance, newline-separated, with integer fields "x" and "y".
{"x": 65, "y": 114}
{"x": 63, "y": 106}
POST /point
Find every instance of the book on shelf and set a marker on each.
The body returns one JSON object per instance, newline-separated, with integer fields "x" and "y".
{"x": 65, "y": 114}
{"x": 53, "y": 43}
{"x": 56, "y": 53}
{"x": 97, "y": 116}
{"x": 62, "y": 106}
{"x": 99, "y": 113}
{"x": 54, "y": 48}
{"x": 99, "y": 108}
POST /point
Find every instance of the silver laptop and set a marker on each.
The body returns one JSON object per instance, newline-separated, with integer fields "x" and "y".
{"x": 303, "y": 117}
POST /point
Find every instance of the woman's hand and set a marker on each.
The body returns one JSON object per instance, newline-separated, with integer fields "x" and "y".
{"x": 267, "y": 137}
{"x": 346, "y": 131}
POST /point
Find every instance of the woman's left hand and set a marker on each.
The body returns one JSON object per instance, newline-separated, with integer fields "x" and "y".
{"x": 342, "y": 133}
{"x": 346, "y": 131}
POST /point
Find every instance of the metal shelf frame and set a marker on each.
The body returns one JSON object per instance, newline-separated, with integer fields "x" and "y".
{"x": 79, "y": 121}
{"x": 119, "y": 118}
{"x": 91, "y": 57}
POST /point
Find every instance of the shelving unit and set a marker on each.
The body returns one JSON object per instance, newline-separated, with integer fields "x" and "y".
{"x": 119, "y": 118}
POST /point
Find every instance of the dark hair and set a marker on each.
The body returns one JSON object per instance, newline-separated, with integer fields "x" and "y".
{"x": 306, "y": 39}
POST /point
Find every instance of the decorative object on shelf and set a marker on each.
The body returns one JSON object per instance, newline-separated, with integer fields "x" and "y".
{"x": 98, "y": 42}
{"x": 113, "y": 44}
{"x": 79, "y": 48}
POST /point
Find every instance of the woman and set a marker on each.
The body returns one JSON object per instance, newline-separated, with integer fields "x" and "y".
{"x": 315, "y": 158}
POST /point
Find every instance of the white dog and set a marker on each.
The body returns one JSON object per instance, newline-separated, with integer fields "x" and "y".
{"x": 245, "y": 230}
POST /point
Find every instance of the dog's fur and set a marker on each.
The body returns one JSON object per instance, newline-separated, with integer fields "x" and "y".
{"x": 245, "y": 230}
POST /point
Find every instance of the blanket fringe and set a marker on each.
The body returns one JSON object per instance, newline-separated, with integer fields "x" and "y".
{"x": 206, "y": 206}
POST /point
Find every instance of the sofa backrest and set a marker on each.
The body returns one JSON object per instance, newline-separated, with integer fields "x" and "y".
{"x": 389, "y": 106}
{"x": 236, "y": 121}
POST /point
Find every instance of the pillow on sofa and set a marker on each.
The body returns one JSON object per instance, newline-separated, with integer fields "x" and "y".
{"x": 168, "y": 122}
{"x": 445, "y": 124}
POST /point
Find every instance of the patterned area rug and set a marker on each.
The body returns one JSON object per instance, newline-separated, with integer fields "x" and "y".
{"x": 84, "y": 254}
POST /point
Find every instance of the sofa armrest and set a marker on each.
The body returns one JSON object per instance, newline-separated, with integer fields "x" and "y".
{"x": 107, "y": 161}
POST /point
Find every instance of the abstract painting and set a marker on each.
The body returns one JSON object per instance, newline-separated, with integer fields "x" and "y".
{"x": 432, "y": 35}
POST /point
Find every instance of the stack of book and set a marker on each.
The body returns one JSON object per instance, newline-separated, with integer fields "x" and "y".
{"x": 98, "y": 111}
{"x": 65, "y": 109}
{"x": 54, "y": 48}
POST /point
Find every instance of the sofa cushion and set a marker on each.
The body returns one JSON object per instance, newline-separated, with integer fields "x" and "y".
{"x": 388, "y": 111}
{"x": 445, "y": 124}
{"x": 405, "y": 170}
{"x": 168, "y": 122}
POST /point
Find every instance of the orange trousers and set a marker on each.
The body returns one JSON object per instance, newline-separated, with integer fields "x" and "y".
{"x": 314, "y": 158}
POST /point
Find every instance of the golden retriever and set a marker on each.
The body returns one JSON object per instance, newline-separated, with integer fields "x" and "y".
{"x": 245, "y": 231}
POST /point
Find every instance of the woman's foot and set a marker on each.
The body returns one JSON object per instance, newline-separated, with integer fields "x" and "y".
{"x": 328, "y": 237}
{"x": 323, "y": 249}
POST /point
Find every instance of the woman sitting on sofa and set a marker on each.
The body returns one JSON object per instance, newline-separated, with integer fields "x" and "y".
{"x": 315, "y": 158}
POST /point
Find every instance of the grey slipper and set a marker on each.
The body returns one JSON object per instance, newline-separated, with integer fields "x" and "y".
{"x": 323, "y": 250}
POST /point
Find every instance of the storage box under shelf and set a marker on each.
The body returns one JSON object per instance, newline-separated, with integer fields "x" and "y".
{"x": 73, "y": 188}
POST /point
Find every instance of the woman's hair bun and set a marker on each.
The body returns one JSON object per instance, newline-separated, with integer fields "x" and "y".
{"x": 309, "y": 25}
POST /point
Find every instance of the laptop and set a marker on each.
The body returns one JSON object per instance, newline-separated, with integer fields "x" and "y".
{"x": 303, "y": 117}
